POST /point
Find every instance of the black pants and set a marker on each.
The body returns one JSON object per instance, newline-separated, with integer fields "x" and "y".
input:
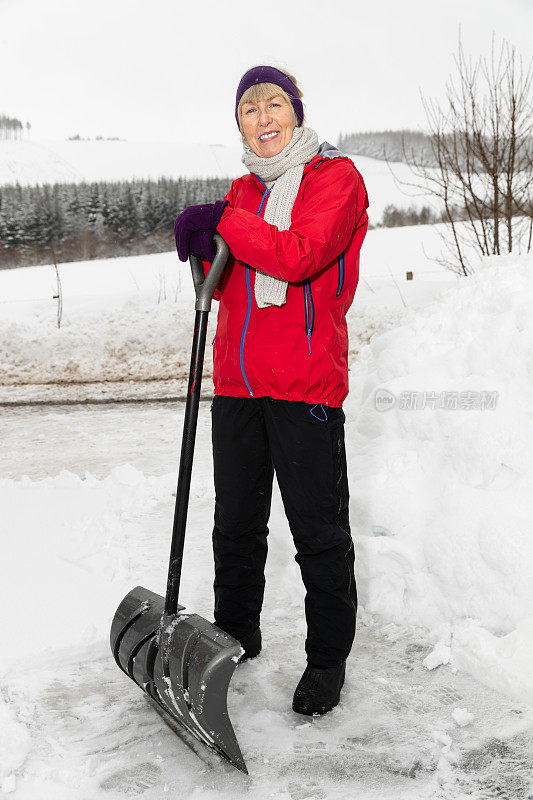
{"x": 304, "y": 444}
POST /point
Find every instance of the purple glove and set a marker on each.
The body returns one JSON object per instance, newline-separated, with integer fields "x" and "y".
{"x": 194, "y": 230}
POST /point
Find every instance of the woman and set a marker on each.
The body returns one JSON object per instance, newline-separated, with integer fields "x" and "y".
{"x": 294, "y": 227}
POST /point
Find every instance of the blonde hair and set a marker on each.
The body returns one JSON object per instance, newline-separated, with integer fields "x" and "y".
{"x": 264, "y": 91}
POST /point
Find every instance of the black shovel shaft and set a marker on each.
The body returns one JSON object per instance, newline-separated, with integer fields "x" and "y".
{"x": 204, "y": 292}
{"x": 186, "y": 459}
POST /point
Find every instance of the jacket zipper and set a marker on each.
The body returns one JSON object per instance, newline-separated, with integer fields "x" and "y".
{"x": 309, "y": 311}
{"x": 341, "y": 275}
{"x": 249, "y": 303}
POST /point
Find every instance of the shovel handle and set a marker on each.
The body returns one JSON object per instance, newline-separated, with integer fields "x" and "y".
{"x": 204, "y": 287}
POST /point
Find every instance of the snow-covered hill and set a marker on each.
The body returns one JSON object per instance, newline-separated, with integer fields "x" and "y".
{"x": 58, "y": 161}
{"x": 47, "y": 161}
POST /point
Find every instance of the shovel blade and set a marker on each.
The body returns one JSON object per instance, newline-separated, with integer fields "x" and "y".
{"x": 184, "y": 663}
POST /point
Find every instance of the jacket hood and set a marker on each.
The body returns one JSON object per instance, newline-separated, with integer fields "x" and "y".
{"x": 327, "y": 150}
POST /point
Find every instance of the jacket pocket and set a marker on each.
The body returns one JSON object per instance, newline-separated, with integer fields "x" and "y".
{"x": 340, "y": 281}
{"x": 309, "y": 308}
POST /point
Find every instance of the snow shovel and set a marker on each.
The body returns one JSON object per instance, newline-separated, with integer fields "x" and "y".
{"x": 183, "y": 662}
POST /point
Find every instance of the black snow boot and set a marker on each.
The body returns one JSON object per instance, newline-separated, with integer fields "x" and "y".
{"x": 251, "y": 645}
{"x": 319, "y": 690}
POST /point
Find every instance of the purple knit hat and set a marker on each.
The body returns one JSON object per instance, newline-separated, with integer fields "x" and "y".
{"x": 269, "y": 75}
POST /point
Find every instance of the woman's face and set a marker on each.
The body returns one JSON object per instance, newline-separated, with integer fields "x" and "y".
{"x": 273, "y": 116}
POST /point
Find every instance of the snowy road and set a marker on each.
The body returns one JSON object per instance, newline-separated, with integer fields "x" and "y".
{"x": 74, "y": 726}
{"x": 38, "y": 442}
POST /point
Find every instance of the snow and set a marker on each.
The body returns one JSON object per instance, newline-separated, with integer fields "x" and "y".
{"x": 462, "y": 716}
{"x": 55, "y": 161}
{"x": 15, "y": 745}
{"x": 438, "y": 656}
{"x": 438, "y": 695}
{"x": 452, "y": 485}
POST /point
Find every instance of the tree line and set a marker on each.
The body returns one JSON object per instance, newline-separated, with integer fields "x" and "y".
{"x": 96, "y": 220}
{"x": 386, "y": 145}
{"x": 412, "y": 147}
{"x": 78, "y": 138}
{"x": 12, "y": 128}
{"x": 109, "y": 219}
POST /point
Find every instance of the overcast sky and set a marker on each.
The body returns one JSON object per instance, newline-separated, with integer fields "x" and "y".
{"x": 168, "y": 69}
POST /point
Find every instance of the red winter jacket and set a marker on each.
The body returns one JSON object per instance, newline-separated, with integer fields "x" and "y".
{"x": 297, "y": 351}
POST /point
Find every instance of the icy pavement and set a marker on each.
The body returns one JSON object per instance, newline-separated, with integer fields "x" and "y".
{"x": 38, "y": 441}
{"x": 74, "y": 726}
{"x": 98, "y": 393}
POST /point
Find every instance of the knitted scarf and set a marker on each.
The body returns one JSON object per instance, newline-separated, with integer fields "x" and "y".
{"x": 286, "y": 169}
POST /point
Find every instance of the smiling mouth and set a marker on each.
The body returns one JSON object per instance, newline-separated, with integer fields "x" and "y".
{"x": 267, "y": 136}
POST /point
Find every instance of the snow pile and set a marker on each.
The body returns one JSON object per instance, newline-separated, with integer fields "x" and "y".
{"x": 137, "y": 340}
{"x": 75, "y": 543}
{"x": 441, "y": 496}
{"x": 72, "y": 536}
{"x": 124, "y": 319}
{"x": 15, "y": 744}
{"x": 462, "y": 716}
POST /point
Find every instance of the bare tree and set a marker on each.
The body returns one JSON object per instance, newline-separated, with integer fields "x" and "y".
{"x": 481, "y": 168}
